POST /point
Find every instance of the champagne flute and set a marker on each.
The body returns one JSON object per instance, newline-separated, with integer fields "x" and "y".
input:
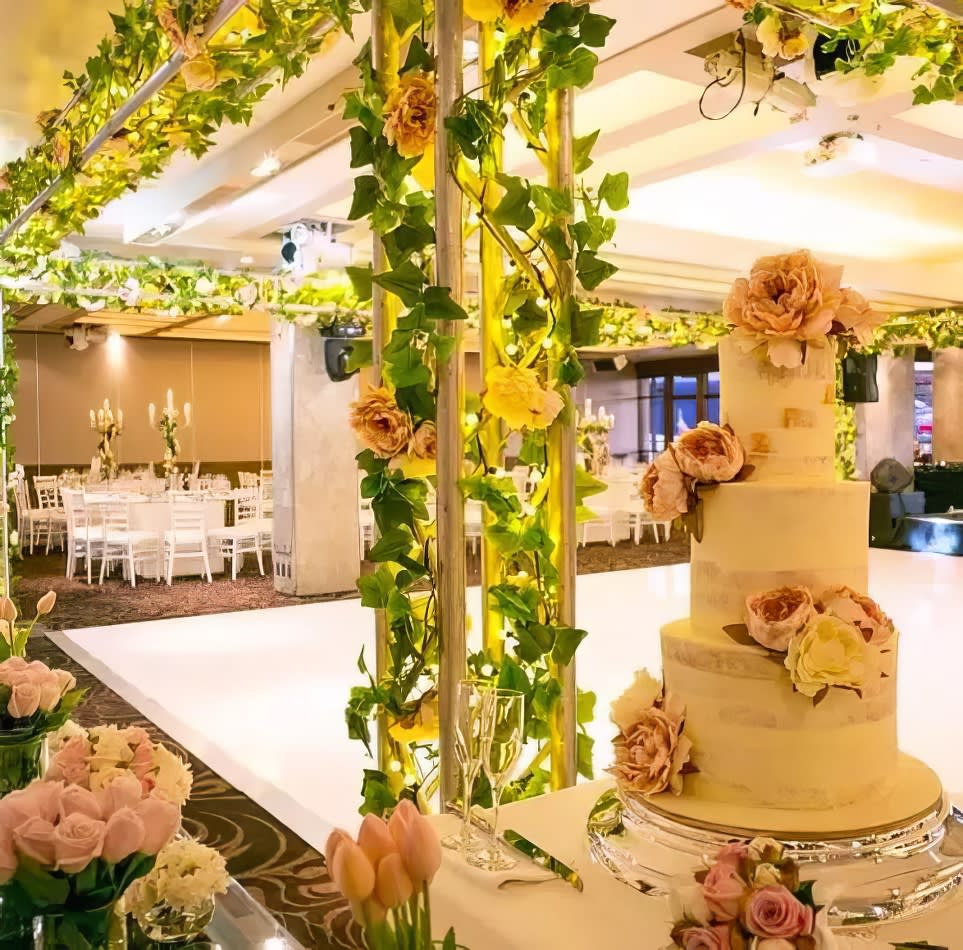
{"x": 503, "y": 736}
{"x": 469, "y": 701}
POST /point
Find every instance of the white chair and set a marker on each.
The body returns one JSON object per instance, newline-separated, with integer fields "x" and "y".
{"x": 51, "y": 520}
{"x": 244, "y": 536}
{"x": 119, "y": 542}
{"x": 473, "y": 524}
{"x": 26, "y": 515}
{"x": 267, "y": 496}
{"x": 604, "y": 507}
{"x": 83, "y": 530}
{"x": 187, "y": 537}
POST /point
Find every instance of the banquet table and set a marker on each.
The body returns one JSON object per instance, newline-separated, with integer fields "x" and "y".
{"x": 607, "y": 914}
{"x": 152, "y": 513}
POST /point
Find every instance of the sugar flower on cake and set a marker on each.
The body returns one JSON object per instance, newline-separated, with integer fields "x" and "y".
{"x": 773, "y": 618}
{"x": 664, "y": 489}
{"x": 651, "y": 753}
{"x": 861, "y": 611}
{"x": 749, "y": 898}
{"x": 830, "y": 652}
{"x": 790, "y": 301}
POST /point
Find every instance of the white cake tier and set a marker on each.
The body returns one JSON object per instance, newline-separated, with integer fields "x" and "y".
{"x": 758, "y": 536}
{"x": 784, "y": 417}
{"x": 757, "y": 743}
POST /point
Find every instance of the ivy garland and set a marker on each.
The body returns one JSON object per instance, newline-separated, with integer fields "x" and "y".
{"x": 871, "y": 35}
{"x": 541, "y": 326}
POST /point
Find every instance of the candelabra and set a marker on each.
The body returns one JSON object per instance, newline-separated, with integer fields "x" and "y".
{"x": 168, "y": 429}
{"x": 593, "y": 432}
{"x": 110, "y": 427}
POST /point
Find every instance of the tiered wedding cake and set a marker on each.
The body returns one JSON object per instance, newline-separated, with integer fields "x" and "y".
{"x": 778, "y": 710}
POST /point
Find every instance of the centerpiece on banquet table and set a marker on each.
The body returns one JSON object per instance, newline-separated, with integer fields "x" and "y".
{"x": 168, "y": 430}
{"x": 593, "y": 434}
{"x": 72, "y": 843}
{"x": 110, "y": 427}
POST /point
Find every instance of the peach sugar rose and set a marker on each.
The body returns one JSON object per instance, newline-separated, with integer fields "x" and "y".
{"x": 861, "y": 611}
{"x": 776, "y": 616}
{"x": 709, "y": 453}
{"x": 665, "y": 489}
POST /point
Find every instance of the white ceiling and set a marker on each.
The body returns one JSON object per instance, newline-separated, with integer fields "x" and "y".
{"x": 707, "y": 197}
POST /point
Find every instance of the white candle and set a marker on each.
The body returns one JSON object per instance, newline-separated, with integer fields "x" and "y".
{"x": 588, "y": 407}
{"x": 170, "y": 398}
{"x": 93, "y": 420}
{"x": 120, "y": 417}
{"x": 151, "y": 412}
{"x": 602, "y": 413}
{"x": 187, "y": 413}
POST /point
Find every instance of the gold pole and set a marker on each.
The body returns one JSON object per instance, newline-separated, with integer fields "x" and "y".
{"x": 451, "y": 513}
{"x": 561, "y": 453}
{"x": 385, "y": 58}
{"x": 492, "y": 269}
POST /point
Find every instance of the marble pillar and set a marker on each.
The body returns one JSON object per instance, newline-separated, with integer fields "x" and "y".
{"x": 948, "y": 405}
{"x": 884, "y": 429}
{"x": 316, "y": 547}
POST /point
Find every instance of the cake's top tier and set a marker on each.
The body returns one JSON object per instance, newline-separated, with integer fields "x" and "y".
{"x": 785, "y": 418}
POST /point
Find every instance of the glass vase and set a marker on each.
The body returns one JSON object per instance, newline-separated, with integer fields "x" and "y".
{"x": 21, "y": 758}
{"x": 100, "y": 929}
{"x": 16, "y": 931}
{"x": 165, "y": 924}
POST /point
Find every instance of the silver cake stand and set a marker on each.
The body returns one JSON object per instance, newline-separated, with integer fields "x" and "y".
{"x": 864, "y": 879}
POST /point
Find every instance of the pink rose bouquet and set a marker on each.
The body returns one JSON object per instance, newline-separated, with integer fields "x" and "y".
{"x": 385, "y": 876}
{"x": 34, "y": 701}
{"x": 750, "y": 896}
{"x": 651, "y": 752}
{"x": 68, "y": 853}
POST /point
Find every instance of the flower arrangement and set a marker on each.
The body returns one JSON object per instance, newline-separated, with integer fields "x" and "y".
{"x": 168, "y": 430}
{"x": 177, "y": 895}
{"x": 109, "y": 427}
{"x": 749, "y": 898}
{"x": 836, "y": 640}
{"x": 14, "y": 637}
{"x": 386, "y": 874}
{"x": 792, "y": 301}
{"x": 706, "y": 455}
{"x": 651, "y": 752}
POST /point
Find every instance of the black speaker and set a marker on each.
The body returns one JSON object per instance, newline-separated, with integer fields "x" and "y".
{"x": 337, "y": 350}
{"x": 859, "y": 378}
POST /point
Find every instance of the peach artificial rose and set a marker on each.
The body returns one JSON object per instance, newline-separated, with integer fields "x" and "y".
{"x": 649, "y": 758}
{"x": 124, "y": 835}
{"x": 75, "y": 798}
{"x": 776, "y": 616}
{"x": 34, "y": 839}
{"x": 379, "y": 424}
{"x": 24, "y": 700}
{"x": 829, "y": 652}
{"x": 709, "y": 453}
{"x": 857, "y": 317}
{"x": 516, "y": 394}
{"x": 664, "y": 489}
{"x": 161, "y": 820}
{"x": 66, "y": 679}
{"x": 141, "y": 764}
{"x": 410, "y": 112}
{"x": 72, "y": 761}
{"x": 78, "y": 840}
{"x": 787, "y": 299}
{"x": 199, "y": 73}
{"x": 861, "y": 611}
{"x": 125, "y": 791}
{"x": 424, "y": 442}
{"x": 8, "y": 856}
{"x": 725, "y": 890}
{"x": 40, "y": 798}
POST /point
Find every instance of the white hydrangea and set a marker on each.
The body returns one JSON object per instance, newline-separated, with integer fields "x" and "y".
{"x": 186, "y": 875}
{"x": 172, "y": 775}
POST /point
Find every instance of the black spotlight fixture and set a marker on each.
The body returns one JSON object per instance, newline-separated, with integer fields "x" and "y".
{"x": 338, "y": 343}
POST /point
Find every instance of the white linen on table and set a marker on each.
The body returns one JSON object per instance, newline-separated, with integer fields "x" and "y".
{"x": 607, "y": 914}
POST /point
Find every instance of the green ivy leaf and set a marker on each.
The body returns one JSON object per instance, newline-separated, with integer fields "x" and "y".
{"x": 585, "y": 324}
{"x": 614, "y": 191}
{"x": 515, "y": 603}
{"x": 534, "y": 641}
{"x": 592, "y": 270}
{"x": 362, "y": 147}
{"x": 577, "y": 70}
{"x": 405, "y": 281}
{"x": 418, "y": 56}
{"x": 366, "y": 192}
{"x": 360, "y": 278}
{"x": 360, "y": 355}
{"x": 567, "y": 640}
{"x": 376, "y": 588}
{"x": 595, "y": 28}
{"x": 585, "y": 706}
{"x": 583, "y": 755}
{"x": 571, "y": 372}
{"x": 440, "y": 306}
{"x": 514, "y": 210}
{"x": 583, "y": 151}
{"x": 393, "y": 543}
{"x": 555, "y": 238}
{"x": 377, "y": 794}
{"x": 512, "y": 676}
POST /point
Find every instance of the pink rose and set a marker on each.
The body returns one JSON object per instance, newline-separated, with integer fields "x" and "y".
{"x": 776, "y": 616}
{"x": 664, "y": 489}
{"x": 124, "y": 835}
{"x": 706, "y": 938}
{"x": 137, "y": 735}
{"x": 857, "y": 317}
{"x": 8, "y": 857}
{"x": 733, "y": 853}
{"x": 725, "y": 890}
{"x": 125, "y": 791}
{"x": 67, "y": 680}
{"x": 24, "y": 700}
{"x": 650, "y": 756}
{"x": 859, "y": 610}
{"x": 50, "y": 692}
{"x": 39, "y": 799}
{"x": 80, "y": 800}
{"x": 774, "y": 912}
{"x": 72, "y": 762}
{"x": 709, "y": 453}
{"x": 142, "y": 763}
{"x": 34, "y": 839}
{"x": 78, "y": 840}
{"x": 161, "y": 820}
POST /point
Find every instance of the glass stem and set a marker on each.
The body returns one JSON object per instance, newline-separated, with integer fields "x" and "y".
{"x": 469, "y": 782}
{"x": 496, "y": 804}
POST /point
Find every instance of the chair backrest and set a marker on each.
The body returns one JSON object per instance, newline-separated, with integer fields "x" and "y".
{"x": 196, "y": 470}
{"x": 46, "y": 488}
{"x": 188, "y": 516}
{"x": 247, "y": 506}
{"x": 116, "y": 515}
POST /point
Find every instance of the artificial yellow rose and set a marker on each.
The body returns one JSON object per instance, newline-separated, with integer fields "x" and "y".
{"x": 484, "y": 11}
{"x": 380, "y": 424}
{"x": 515, "y": 394}
{"x": 410, "y": 114}
{"x": 829, "y": 652}
{"x": 421, "y": 725}
{"x": 524, "y": 14}
{"x": 199, "y": 74}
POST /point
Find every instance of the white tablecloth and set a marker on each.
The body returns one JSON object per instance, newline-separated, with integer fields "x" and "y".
{"x": 607, "y": 914}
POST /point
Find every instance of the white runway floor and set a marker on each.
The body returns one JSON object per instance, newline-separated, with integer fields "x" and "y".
{"x": 259, "y": 695}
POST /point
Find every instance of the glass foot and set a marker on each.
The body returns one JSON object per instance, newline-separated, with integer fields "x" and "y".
{"x": 463, "y": 841}
{"x": 491, "y": 858}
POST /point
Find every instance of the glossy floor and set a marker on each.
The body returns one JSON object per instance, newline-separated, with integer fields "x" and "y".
{"x": 259, "y": 695}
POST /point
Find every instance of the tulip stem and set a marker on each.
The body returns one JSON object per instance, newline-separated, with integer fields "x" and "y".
{"x": 427, "y": 917}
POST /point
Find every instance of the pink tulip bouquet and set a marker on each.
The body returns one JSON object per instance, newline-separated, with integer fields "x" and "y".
{"x": 749, "y": 898}
{"x": 385, "y": 876}
{"x": 67, "y": 854}
{"x": 34, "y": 702}
{"x": 13, "y": 636}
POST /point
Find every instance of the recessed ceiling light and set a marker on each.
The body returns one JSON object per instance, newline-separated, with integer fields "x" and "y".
{"x": 269, "y": 165}
{"x": 247, "y": 259}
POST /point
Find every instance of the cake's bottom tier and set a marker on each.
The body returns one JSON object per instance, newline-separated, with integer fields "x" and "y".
{"x": 757, "y": 743}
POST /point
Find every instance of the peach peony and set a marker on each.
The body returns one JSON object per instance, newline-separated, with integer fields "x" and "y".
{"x": 829, "y": 652}
{"x": 380, "y": 424}
{"x": 861, "y": 611}
{"x": 649, "y": 757}
{"x": 776, "y": 616}
{"x": 709, "y": 453}
{"x": 665, "y": 489}
{"x": 787, "y": 299}
{"x": 410, "y": 112}
{"x": 856, "y": 317}
{"x": 515, "y": 394}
